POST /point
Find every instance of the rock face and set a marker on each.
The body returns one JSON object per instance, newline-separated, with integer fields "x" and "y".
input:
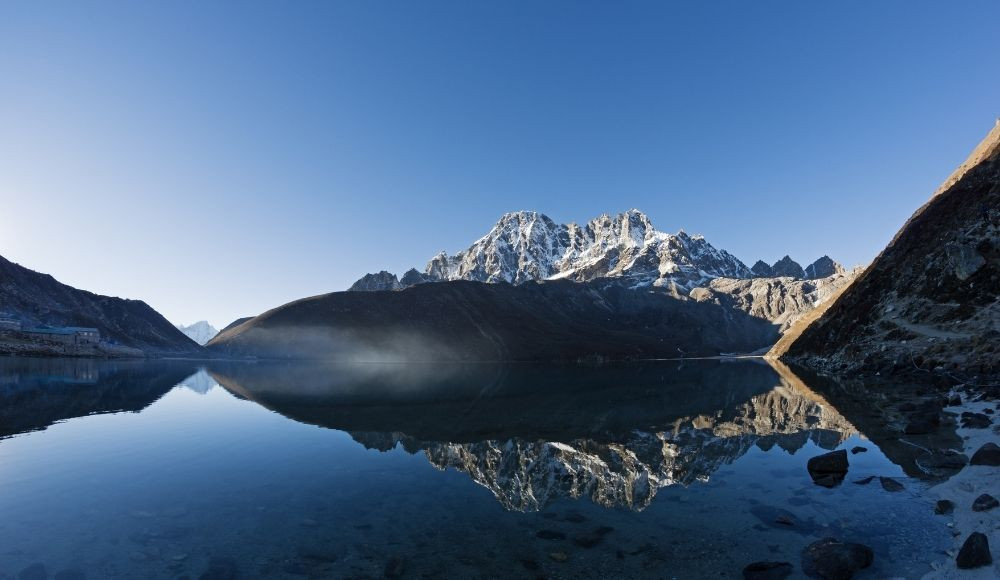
{"x": 929, "y": 301}
{"x": 556, "y": 320}
{"x": 36, "y": 299}
{"x": 788, "y": 267}
{"x": 823, "y": 268}
{"x": 377, "y": 282}
{"x": 780, "y": 300}
{"x": 200, "y": 332}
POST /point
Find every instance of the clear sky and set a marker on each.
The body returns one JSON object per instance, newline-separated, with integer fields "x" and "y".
{"x": 219, "y": 159}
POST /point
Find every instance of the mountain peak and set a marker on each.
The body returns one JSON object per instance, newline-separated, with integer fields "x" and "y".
{"x": 788, "y": 267}
{"x": 824, "y": 267}
{"x": 378, "y": 281}
{"x": 200, "y": 332}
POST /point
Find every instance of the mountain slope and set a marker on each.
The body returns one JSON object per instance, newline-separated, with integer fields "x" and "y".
{"x": 39, "y": 299}
{"x": 557, "y": 320}
{"x": 931, "y": 300}
{"x": 782, "y": 301}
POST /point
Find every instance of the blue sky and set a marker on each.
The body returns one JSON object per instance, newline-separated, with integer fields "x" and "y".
{"x": 219, "y": 159}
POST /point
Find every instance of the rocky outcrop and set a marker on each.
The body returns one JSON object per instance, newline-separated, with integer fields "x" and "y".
{"x": 782, "y": 301}
{"x": 930, "y": 302}
{"x": 823, "y": 268}
{"x": 35, "y": 299}
{"x": 787, "y": 267}
{"x": 376, "y": 282}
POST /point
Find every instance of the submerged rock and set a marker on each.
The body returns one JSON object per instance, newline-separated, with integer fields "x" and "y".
{"x": 988, "y": 454}
{"x": 984, "y": 503}
{"x": 975, "y": 420}
{"x": 944, "y": 507}
{"x": 975, "y": 552}
{"x": 832, "y": 559}
{"x": 890, "y": 484}
{"x": 858, "y": 449}
{"x": 829, "y": 469}
{"x": 767, "y": 571}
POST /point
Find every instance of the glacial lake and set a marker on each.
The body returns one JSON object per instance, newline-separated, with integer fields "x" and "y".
{"x": 686, "y": 469}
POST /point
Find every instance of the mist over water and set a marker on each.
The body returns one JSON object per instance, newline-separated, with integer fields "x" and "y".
{"x": 290, "y": 469}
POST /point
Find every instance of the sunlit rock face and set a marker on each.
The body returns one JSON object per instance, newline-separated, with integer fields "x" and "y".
{"x": 929, "y": 304}
{"x": 526, "y": 475}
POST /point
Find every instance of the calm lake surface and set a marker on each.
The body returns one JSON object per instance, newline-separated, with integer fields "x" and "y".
{"x": 661, "y": 469}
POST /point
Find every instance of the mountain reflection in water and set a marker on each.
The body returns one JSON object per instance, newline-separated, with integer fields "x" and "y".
{"x": 530, "y": 434}
{"x": 677, "y": 455}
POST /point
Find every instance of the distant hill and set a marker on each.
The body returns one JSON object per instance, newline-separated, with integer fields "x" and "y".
{"x": 462, "y": 320}
{"x": 36, "y": 299}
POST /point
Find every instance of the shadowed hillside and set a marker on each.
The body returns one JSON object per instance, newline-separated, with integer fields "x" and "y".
{"x": 462, "y": 320}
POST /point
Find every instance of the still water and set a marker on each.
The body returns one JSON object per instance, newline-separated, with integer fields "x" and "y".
{"x": 257, "y": 470}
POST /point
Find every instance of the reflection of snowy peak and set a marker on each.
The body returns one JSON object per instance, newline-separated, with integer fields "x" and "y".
{"x": 527, "y": 475}
{"x": 527, "y": 245}
{"x": 199, "y": 382}
{"x": 200, "y": 332}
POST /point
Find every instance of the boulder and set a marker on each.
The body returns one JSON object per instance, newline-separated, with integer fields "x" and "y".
{"x": 985, "y": 503}
{"x": 832, "y": 559}
{"x": 829, "y": 469}
{"x": 890, "y": 484}
{"x": 988, "y": 454}
{"x": 944, "y": 507}
{"x": 975, "y": 552}
{"x": 975, "y": 420}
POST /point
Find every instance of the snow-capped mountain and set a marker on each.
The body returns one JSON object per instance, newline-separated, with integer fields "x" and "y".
{"x": 527, "y": 245}
{"x": 200, "y": 332}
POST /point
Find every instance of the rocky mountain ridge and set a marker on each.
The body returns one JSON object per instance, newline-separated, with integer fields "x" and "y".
{"x": 529, "y": 246}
